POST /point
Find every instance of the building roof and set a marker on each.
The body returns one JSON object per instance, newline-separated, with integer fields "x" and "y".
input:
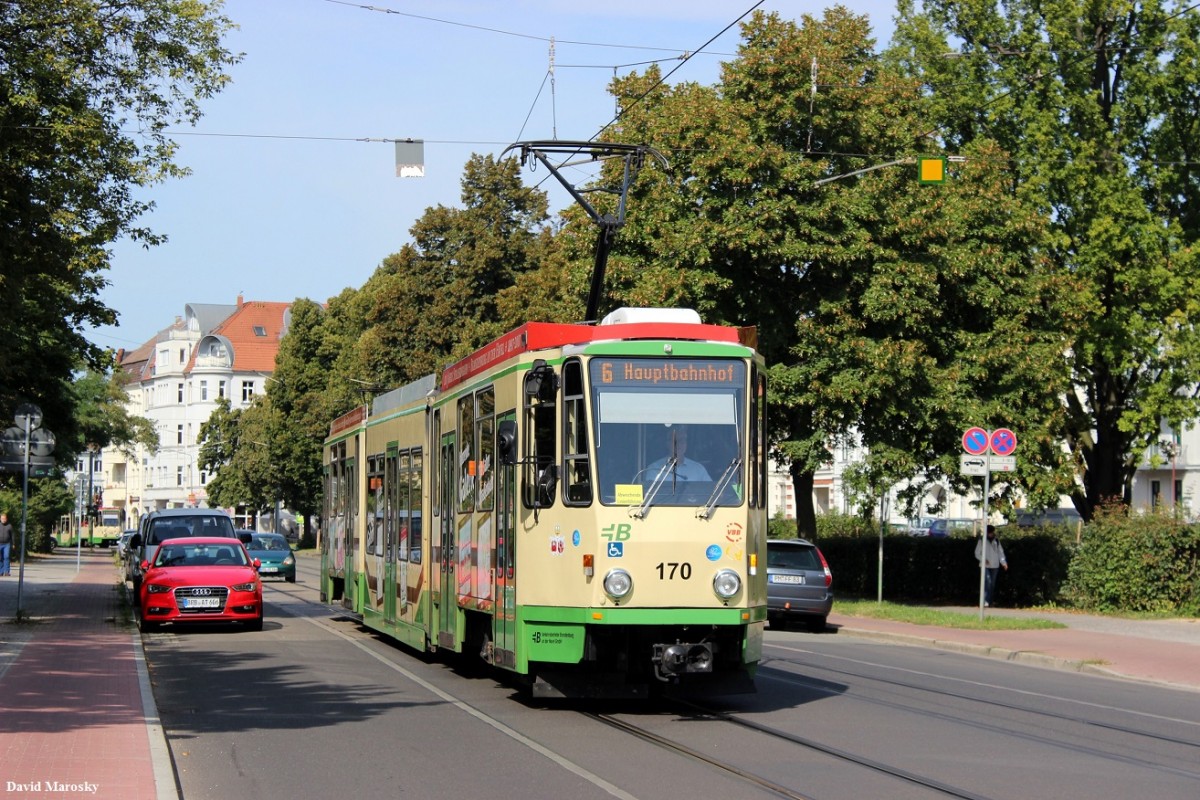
{"x": 253, "y": 332}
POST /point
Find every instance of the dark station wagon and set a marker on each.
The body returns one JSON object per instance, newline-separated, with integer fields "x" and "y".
{"x": 799, "y": 584}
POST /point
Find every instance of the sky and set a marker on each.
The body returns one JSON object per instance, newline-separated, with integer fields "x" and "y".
{"x": 293, "y": 191}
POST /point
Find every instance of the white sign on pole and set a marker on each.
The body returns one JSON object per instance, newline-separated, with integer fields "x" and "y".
{"x": 973, "y": 465}
{"x": 1003, "y": 463}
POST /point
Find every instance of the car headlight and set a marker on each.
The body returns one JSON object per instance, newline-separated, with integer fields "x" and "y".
{"x": 727, "y": 583}
{"x": 287, "y": 562}
{"x": 156, "y": 588}
{"x": 244, "y": 587}
{"x": 618, "y": 583}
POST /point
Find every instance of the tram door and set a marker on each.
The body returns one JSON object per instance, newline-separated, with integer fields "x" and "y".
{"x": 446, "y": 597}
{"x": 505, "y": 620}
{"x": 391, "y": 513}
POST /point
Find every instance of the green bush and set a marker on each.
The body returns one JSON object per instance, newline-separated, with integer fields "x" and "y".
{"x": 1143, "y": 562}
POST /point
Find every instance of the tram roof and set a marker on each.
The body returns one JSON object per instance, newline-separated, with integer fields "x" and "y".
{"x": 543, "y": 335}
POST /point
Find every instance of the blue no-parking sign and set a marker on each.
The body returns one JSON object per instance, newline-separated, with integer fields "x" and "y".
{"x": 1003, "y": 442}
{"x": 975, "y": 441}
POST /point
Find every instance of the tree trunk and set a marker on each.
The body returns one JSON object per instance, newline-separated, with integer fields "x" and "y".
{"x": 806, "y": 515}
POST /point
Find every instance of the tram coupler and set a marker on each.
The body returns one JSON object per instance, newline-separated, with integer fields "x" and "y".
{"x": 680, "y": 658}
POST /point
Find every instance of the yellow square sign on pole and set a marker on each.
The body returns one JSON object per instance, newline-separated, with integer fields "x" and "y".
{"x": 931, "y": 170}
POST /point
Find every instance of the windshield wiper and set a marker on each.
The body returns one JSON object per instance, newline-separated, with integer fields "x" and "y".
{"x": 668, "y": 468}
{"x": 722, "y": 482}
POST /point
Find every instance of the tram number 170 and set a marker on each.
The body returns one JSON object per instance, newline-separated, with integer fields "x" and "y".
{"x": 670, "y": 570}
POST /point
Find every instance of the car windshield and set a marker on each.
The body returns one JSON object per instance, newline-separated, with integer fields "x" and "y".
{"x": 200, "y": 555}
{"x": 198, "y": 525}
{"x": 277, "y": 543}
{"x": 791, "y": 557}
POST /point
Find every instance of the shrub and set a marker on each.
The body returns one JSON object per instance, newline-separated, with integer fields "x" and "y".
{"x": 1141, "y": 562}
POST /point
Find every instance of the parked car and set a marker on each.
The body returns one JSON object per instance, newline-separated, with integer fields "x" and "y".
{"x": 942, "y": 528}
{"x": 173, "y": 523}
{"x": 123, "y": 544}
{"x": 274, "y": 555}
{"x": 1051, "y": 516}
{"x": 799, "y": 584}
{"x": 920, "y": 527}
{"x": 200, "y": 579}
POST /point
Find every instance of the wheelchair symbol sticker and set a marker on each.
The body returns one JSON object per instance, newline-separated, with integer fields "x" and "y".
{"x": 616, "y": 549}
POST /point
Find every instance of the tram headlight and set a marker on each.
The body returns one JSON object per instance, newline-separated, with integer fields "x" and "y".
{"x": 618, "y": 583}
{"x": 726, "y": 584}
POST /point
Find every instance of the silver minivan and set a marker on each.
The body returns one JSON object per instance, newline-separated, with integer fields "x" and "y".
{"x": 799, "y": 584}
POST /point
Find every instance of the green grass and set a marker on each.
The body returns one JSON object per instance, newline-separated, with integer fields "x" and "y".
{"x": 921, "y": 615}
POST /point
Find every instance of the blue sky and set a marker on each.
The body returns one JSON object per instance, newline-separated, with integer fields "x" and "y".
{"x": 285, "y": 201}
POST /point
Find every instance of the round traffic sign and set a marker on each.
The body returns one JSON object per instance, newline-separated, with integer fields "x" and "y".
{"x": 975, "y": 441}
{"x": 1004, "y": 442}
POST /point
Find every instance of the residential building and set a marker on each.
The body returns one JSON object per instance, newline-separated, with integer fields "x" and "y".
{"x": 210, "y": 352}
{"x": 1167, "y": 474}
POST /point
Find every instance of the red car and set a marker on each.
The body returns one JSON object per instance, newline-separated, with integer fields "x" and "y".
{"x": 200, "y": 579}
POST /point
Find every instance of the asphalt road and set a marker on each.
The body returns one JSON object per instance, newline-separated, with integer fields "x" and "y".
{"x": 315, "y": 706}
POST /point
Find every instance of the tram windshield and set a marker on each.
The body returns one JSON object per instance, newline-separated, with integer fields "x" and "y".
{"x": 669, "y": 431}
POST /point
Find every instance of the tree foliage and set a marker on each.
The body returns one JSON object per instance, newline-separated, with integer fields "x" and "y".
{"x": 1094, "y": 104}
{"x": 891, "y": 312}
{"x": 87, "y": 90}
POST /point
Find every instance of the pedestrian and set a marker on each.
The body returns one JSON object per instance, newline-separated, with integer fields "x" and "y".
{"x": 6, "y": 538}
{"x": 995, "y": 562}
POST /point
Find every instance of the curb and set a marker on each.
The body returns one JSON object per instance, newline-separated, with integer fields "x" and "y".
{"x": 1030, "y": 657}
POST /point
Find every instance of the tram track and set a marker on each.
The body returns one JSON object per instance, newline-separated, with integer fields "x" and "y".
{"x": 698, "y": 712}
{"x": 724, "y": 765}
{"x": 1120, "y": 751}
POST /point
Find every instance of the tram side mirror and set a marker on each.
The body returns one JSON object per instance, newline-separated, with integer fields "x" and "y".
{"x": 541, "y": 382}
{"x": 546, "y": 484}
{"x": 506, "y": 442}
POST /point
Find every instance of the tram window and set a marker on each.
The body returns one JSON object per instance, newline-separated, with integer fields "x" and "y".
{"x": 485, "y": 434}
{"x": 400, "y": 510}
{"x": 758, "y": 440}
{"x": 376, "y": 500}
{"x": 414, "y": 479}
{"x": 540, "y": 472}
{"x": 434, "y": 486}
{"x": 577, "y": 481}
{"x": 466, "y": 454}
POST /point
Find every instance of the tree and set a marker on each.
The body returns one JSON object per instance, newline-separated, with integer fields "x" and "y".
{"x": 891, "y": 313}
{"x": 437, "y": 299}
{"x": 87, "y": 90}
{"x": 1095, "y": 105}
{"x": 102, "y": 418}
{"x": 234, "y": 450}
{"x": 297, "y": 392}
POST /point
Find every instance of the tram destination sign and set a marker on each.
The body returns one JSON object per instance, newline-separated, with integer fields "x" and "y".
{"x": 652, "y": 372}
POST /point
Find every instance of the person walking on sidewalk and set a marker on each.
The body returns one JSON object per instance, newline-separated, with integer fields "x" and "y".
{"x": 995, "y": 561}
{"x": 6, "y": 538}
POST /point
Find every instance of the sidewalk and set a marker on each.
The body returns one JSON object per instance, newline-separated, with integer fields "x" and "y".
{"x": 1165, "y": 652}
{"x": 78, "y": 717}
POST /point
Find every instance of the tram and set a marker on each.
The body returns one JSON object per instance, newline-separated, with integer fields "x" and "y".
{"x": 583, "y": 506}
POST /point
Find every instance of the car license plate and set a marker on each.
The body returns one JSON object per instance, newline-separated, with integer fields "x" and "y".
{"x": 268, "y": 569}
{"x": 201, "y": 602}
{"x": 787, "y": 579}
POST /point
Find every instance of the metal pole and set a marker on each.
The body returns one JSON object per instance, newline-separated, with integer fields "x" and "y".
{"x": 24, "y": 516}
{"x": 987, "y": 488}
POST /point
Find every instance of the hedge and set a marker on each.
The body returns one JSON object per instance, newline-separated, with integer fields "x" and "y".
{"x": 1123, "y": 562}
